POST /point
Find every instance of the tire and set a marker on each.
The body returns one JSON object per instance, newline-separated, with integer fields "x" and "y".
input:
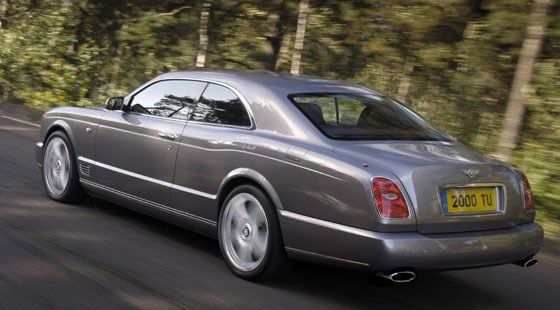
{"x": 59, "y": 171}
{"x": 249, "y": 235}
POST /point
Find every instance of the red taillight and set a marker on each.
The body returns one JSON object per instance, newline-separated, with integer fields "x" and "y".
{"x": 389, "y": 199}
{"x": 527, "y": 193}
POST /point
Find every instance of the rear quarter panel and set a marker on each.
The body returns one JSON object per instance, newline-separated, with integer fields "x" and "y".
{"x": 315, "y": 185}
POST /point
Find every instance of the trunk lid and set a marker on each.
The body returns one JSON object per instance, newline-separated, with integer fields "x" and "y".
{"x": 428, "y": 169}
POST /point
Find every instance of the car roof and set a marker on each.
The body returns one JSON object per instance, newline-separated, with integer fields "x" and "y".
{"x": 267, "y": 93}
{"x": 281, "y": 83}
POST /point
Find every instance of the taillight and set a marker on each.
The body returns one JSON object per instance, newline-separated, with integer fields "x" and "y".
{"x": 527, "y": 193}
{"x": 389, "y": 199}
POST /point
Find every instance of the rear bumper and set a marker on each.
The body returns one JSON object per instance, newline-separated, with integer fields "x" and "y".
{"x": 321, "y": 241}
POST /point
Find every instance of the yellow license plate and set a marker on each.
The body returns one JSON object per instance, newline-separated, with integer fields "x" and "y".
{"x": 467, "y": 200}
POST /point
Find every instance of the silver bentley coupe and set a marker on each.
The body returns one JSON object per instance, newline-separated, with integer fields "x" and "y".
{"x": 281, "y": 168}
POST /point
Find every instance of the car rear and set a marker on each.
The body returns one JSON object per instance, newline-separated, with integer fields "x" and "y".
{"x": 469, "y": 209}
{"x": 450, "y": 187}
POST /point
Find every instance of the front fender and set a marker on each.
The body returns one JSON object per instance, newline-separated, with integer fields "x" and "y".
{"x": 79, "y": 124}
{"x": 49, "y": 125}
{"x": 56, "y": 125}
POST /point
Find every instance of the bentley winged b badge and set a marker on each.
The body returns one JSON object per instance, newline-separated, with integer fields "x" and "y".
{"x": 471, "y": 173}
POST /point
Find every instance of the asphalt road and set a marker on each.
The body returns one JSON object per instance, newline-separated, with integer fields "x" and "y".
{"x": 97, "y": 255}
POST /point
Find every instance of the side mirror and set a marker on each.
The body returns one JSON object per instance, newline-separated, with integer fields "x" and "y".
{"x": 114, "y": 103}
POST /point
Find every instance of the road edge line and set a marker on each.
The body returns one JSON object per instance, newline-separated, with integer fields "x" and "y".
{"x": 20, "y": 121}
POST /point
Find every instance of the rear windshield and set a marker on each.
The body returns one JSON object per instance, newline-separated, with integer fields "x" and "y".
{"x": 364, "y": 117}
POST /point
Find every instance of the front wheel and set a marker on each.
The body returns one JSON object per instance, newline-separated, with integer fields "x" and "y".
{"x": 250, "y": 236}
{"x": 60, "y": 173}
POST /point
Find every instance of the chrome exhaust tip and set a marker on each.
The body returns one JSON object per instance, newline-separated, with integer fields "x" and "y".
{"x": 526, "y": 263}
{"x": 399, "y": 276}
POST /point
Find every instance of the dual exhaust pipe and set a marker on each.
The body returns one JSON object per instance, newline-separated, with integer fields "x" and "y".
{"x": 403, "y": 276}
{"x": 526, "y": 263}
{"x": 406, "y": 276}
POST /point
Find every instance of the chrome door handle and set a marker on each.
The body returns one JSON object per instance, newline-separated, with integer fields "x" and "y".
{"x": 168, "y": 136}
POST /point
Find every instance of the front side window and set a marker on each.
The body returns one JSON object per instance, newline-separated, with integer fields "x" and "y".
{"x": 171, "y": 98}
{"x": 219, "y": 105}
{"x": 364, "y": 117}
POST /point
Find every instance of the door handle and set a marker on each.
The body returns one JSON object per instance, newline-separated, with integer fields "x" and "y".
{"x": 168, "y": 136}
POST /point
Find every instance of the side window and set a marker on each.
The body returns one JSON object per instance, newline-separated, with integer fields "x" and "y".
{"x": 330, "y": 110}
{"x": 171, "y": 98}
{"x": 220, "y": 105}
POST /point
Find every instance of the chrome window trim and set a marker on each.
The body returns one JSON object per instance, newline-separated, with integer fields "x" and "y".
{"x": 501, "y": 195}
{"x": 176, "y": 120}
{"x": 219, "y": 125}
{"x": 235, "y": 91}
{"x": 148, "y": 179}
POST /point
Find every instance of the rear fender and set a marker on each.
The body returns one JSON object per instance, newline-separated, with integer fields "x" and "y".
{"x": 256, "y": 177}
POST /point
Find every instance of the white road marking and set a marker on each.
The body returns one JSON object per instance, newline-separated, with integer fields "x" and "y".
{"x": 20, "y": 121}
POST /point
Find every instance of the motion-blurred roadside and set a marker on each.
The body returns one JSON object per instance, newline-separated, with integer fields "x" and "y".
{"x": 486, "y": 71}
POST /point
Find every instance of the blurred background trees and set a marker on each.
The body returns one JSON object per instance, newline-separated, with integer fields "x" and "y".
{"x": 460, "y": 63}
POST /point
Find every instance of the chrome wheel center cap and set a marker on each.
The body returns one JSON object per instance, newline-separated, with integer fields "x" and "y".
{"x": 245, "y": 231}
{"x": 58, "y": 165}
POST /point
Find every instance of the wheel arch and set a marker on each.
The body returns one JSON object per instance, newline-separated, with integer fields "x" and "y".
{"x": 59, "y": 125}
{"x": 241, "y": 176}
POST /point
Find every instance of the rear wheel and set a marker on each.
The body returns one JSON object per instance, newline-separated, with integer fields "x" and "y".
{"x": 250, "y": 236}
{"x": 60, "y": 174}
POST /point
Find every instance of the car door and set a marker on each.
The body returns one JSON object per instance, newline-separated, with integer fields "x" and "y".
{"x": 136, "y": 150}
{"x": 210, "y": 147}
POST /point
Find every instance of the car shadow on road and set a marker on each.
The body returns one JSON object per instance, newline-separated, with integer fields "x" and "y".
{"x": 429, "y": 291}
{"x": 178, "y": 234}
{"x": 341, "y": 287}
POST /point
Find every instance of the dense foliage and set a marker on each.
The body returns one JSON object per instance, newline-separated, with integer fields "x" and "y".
{"x": 453, "y": 61}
